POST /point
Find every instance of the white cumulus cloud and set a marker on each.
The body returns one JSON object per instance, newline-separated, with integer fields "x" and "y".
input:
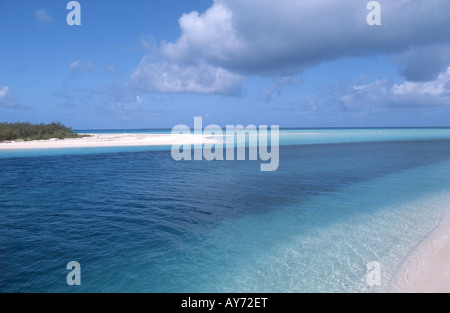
{"x": 169, "y": 77}
{"x": 383, "y": 93}
{"x": 235, "y": 39}
{"x": 439, "y": 87}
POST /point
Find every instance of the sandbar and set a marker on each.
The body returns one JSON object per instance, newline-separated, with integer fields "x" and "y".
{"x": 111, "y": 140}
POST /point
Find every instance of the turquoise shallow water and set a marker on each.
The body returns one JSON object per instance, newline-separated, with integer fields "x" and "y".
{"x": 286, "y": 137}
{"x": 137, "y": 221}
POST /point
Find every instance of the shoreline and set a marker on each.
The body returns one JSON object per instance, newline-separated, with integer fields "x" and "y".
{"x": 427, "y": 268}
{"x": 110, "y": 140}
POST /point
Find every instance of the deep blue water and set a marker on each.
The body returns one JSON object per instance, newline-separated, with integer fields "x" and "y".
{"x": 138, "y": 221}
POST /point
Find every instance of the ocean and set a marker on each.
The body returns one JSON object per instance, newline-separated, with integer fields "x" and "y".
{"x": 138, "y": 221}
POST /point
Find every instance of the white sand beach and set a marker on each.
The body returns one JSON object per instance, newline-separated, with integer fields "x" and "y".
{"x": 110, "y": 140}
{"x": 427, "y": 268}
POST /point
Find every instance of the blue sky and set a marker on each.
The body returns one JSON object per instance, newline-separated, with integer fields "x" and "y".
{"x": 159, "y": 63}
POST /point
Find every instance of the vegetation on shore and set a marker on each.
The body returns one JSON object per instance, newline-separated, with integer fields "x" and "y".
{"x": 28, "y": 131}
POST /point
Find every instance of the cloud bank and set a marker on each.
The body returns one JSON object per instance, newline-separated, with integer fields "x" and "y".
{"x": 235, "y": 39}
